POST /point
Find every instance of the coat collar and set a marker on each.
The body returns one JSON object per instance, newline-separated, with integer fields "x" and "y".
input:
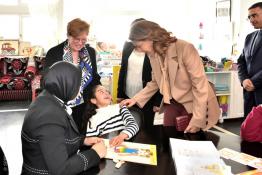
{"x": 168, "y": 68}
{"x": 172, "y": 50}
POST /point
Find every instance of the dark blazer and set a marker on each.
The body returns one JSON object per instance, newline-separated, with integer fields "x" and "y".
{"x": 250, "y": 66}
{"x": 54, "y": 55}
{"x": 50, "y": 140}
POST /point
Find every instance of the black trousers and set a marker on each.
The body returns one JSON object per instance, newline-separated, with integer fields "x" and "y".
{"x": 251, "y": 99}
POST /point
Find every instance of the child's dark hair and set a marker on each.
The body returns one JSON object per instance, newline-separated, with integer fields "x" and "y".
{"x": 90, "y": 109}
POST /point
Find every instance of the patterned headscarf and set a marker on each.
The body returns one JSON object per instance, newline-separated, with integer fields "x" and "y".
{"x": 86, "y": 67}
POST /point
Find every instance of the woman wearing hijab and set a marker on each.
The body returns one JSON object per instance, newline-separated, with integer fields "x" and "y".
{"x": 50, "y": 137}
{"x": 76, "y": 51}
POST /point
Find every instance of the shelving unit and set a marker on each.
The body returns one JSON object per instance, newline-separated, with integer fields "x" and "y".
{"x": 231, "y": 94}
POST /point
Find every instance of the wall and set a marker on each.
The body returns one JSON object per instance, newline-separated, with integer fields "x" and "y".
{"x": 244, "y": 26}
{"x": 111, "y": 20}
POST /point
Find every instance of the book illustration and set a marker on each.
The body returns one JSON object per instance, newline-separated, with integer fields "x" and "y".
{"x": 242, "y": 158}
{"x": 251, "y": 172}
{"x": 228, "y": 153}
{"x": 214, "y": 169}
{"x": 125, "y": 151}
{"x": 132, "y": 152}
{"x": 256, "y": 163}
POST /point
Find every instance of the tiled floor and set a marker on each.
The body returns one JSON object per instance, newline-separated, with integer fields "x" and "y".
{"x": 11, "y": 119}
{"x": 232, "y": 125}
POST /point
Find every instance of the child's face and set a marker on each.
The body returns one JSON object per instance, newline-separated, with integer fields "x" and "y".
{"x": 103, "y": 97}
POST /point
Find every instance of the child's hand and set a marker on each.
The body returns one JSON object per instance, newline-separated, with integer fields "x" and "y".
{"x": 116, "y": 141}
{"x": 92, "y": 140}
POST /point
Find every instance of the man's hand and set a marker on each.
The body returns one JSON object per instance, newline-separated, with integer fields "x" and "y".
{"x": 116, "y": 141}
{"x": 92, "y": 140}
{"x": 128, "y": 102}
{"x": 248, "y": 85}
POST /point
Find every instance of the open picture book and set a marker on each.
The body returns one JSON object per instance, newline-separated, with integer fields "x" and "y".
{"x": 198, "y": 158}
{"x": 132, "y": 152}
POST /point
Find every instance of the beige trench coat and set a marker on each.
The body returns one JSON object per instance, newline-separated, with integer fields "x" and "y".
{"x": 188, "y": 84}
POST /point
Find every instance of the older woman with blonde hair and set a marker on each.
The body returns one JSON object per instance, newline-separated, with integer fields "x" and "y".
{"x": 178, "y": 72}
{"x": 75, "y": 50}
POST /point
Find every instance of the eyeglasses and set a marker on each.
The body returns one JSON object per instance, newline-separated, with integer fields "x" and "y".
{"x": 78, "y": 40}
{"x": 254, "y": 15}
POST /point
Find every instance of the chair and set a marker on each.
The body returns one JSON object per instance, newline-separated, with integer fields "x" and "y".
{"x": 20, "y": 77}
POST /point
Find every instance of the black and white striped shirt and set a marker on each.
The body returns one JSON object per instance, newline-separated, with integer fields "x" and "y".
{"x": 112, "y": 118}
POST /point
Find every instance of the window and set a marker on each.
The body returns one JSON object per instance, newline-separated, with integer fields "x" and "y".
{"x": 10, "y": 27}
{"x": 8, "y": 2}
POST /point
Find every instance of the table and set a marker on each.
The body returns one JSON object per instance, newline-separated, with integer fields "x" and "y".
{"x": 165, "y": 165}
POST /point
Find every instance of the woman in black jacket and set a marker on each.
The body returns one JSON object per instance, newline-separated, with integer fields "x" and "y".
{"x": 50, "y": 137}
{"x": 76, "y": 51}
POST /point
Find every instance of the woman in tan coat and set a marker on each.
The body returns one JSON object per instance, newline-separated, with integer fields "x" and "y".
{"x": 177, "y": 71}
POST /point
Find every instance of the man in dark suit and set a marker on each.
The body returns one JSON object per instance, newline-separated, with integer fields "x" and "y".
{"x": 250, "y": 61}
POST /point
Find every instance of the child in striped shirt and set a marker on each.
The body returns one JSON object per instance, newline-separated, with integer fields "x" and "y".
{"x": 103, "y": 118}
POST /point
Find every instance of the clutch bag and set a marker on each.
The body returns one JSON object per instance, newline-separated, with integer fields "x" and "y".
{"x": 181, "y": 122}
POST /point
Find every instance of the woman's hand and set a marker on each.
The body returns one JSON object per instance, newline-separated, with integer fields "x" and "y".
{"x": 156, "y": 108}
{"x": 116, "y": 141}
{"x": 191, "y": 129}
{"x": 128, "y": 102}
{"x": 92, "y": 140}
{"x": 118, "y": 100}
{"x": 100, "y": 148}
